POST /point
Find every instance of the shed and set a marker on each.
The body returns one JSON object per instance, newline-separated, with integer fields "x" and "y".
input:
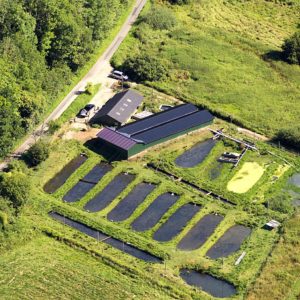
{"x": 273, "y": 224}
{"x": 118, "y": 109}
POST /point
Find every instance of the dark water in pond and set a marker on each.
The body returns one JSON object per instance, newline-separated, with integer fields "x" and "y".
{"x": 129, "y": 249}
{"x": 198, "y": 235}
{"x": 78, "y": 191}
{"x": 195, "y": 155}
{"x": 229, "y": 242}
{"x": 110, "y": 192}
{"x": 208, "y": 283}
{"x": 154, "y": 212}
{"x": 128, "y": 205}
{"x": 295, "y": 180}
{"x": 176, "y": 222}
{"x": 61, "y": 177}
{"x": 97, "y": 173}
{"x": 82, "y": 187}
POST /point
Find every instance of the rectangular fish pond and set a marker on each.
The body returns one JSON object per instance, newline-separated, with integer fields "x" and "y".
{"x": 100, "y": 236}
{"x": 154, "y": 212}
{"x": 110, "y": 192}
{"x": 127, "y": 206}
{"x": 214, "y": 286}
{"x": 61, "y": 177}
{"x": 198, "y": 235}
{"x": 176, "y": 222}
{"x": 229, "y": 242}
{"x": 195, "y": 155}
{"x": 83, "y": 186}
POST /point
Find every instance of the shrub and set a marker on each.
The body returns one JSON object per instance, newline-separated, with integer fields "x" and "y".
{"x": 291, "y": 49}
{"x": 89, "y": 89}
{"x": 289, "y": 137}
{"x": 145, "y": 68}
{"x": 281, "y": 203}
{"x": 37, "y": 153}
{"x": 16, "y": 187}
{"x": 160, "y": 18}
{"x": 53, "y": 126}
{"x": 3, "y": 219}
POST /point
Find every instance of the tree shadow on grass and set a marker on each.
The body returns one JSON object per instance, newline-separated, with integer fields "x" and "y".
{"x": 273, "y": 55}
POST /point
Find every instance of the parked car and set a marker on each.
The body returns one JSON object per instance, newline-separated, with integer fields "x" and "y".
{"x": 118, "y": 75}
{"x": 85, "y": 112}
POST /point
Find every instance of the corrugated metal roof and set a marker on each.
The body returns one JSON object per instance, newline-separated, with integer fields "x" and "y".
{"x": 174, "y": 127}
{"x": 158, "y": 119}
{"x": 121, "y": 106}
{"x": 116, "y": 138}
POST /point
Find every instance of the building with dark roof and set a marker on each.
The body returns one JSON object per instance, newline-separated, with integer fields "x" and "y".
{"x": 135, "y": 137}
{"x": 118, "y": 109}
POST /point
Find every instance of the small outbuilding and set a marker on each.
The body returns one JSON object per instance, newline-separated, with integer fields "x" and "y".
{"x": 273, "y": 224}
{"x": 118, "y": 109}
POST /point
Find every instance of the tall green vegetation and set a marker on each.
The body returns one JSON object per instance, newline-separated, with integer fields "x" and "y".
{"x": 42, "y": 44}
{"x": 291, "y": 49}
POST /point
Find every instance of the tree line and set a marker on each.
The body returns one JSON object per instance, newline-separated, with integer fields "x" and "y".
{"x": 43, "y": 43}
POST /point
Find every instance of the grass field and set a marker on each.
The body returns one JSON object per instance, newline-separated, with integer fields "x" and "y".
{"x": 245, "y": 178}
{"x": 48, "y": 269}
{"x": 222, "y": 55}
{"x": 280, "y": 277}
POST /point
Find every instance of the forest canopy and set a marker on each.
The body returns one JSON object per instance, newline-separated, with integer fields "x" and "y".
{"x": 42, "y": 44}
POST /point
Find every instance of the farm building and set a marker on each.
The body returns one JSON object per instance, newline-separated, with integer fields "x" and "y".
{"x": 118, "y": 109}
{"x": 138, "y": 136}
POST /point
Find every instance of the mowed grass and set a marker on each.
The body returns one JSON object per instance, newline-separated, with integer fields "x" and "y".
{"x": 245, "y": 178}
{"x": 47, "y": 269}
{"x": 224, "y": 55}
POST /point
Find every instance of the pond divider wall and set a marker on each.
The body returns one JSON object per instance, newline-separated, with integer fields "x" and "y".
{"x": 192, "y": 185}
{"x": 229, "y": 242}
{"x": 128, "y": 205}
{"x": 214, "y": 286}
{"x": 102, "y": 237}
{"x": 109, "y": 193}
{"x": 83, "y": 186}
{"x": 154, "y": 212}
{"x": 199, "y": 234}
{"x": 175, "y": 224}
{"x": 61, "y": 177}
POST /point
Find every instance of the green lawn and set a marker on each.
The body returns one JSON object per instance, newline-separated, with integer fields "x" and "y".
{"x": 216, "y": 56}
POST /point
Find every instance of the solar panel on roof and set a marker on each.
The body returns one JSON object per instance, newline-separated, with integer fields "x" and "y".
{"x": 179, "y": 125}
{"x": 158, "y": 119}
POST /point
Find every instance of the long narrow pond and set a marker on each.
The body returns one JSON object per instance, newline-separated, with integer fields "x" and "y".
{"x": 100, "y": 236}
{"x": 109, "y": 193}
{"x": 176, "y": 222}
{"x": 129, "y": 204}
{"x": 83, "y": 186}
{"x": 198, "y": 235}
{"x": 216, "y": 287}
{"x": 61, "y": 177}
{"x": 195, "y": 155}
{"x": 229, "y": 242}
{"x": 154, "y": 212}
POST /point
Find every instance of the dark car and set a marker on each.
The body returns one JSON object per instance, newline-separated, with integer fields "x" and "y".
{"x": 85, "y": 112}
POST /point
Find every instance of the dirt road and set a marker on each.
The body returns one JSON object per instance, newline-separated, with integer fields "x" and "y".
{"x": 97, "y": 74}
